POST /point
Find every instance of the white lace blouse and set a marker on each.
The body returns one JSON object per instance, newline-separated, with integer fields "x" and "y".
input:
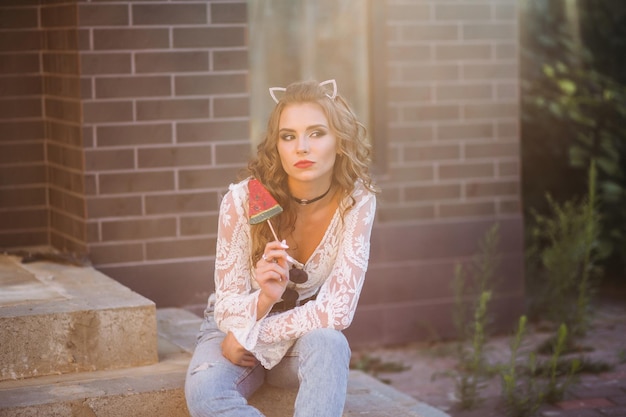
{"x": 336, "y": 268}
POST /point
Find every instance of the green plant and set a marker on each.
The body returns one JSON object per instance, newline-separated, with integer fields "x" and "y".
{"x": 468, "y": 287}
{"x": 479, "y": 339}
{"x": 574, "y": 110}
{"x": 461, "y": 307}
{"x": 594, "y": 107}
{"x": 472, "y": 371}
{"x": 526, "y": 389}
{"x": 485, "y": 263}
{"x": 566, "y": 256}
{"x": 470, "y": 316}
{"x": 555, "y": 388}
{"x": 521, "y": 400}
{"x": 591, "y": 236}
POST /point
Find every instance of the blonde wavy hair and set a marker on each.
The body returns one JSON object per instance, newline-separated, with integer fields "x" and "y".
{"x": 351, "y": 164}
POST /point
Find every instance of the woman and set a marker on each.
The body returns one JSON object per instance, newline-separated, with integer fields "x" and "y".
{"x": 314, "y": 162}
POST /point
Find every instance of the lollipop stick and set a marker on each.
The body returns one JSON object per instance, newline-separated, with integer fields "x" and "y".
{"x": 272, "y": 228}
{"x": 289, "y": 258}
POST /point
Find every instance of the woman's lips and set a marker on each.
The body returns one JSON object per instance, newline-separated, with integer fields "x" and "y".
{"x": 303, "y": 164}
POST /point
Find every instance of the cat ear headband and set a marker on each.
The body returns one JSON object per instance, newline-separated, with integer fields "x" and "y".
{"x": 323, "y": 83}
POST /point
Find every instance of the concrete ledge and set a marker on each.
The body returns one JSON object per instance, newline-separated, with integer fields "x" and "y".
{"x": 57, "y": 319}
{"x": 147, "y": 391}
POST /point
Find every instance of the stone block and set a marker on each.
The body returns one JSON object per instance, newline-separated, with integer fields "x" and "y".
{"x": 57, "y": 319}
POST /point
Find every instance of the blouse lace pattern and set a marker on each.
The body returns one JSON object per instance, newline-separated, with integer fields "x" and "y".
{"x": 336, "y": 269}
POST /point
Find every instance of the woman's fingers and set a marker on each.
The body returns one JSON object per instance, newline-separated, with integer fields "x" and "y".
{"x": 273, "y": 264}
{"x": 272, "y": 279}
{"x": 272, "y": 270}
{"x": 275, "y": 255}
{"x": 275, "y": 252}
{"x": 271, "y": 267}
{"x": 248, "y": 359}
{"x": 237, "y": 354}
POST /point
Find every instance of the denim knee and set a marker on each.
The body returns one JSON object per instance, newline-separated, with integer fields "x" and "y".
{"x": 201, "y": 395}
{"x": 214, "y": 392}
{"x": 328, "y": 345}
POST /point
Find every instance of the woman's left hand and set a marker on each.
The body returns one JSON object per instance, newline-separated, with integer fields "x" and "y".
{"x": 234, "y": 352}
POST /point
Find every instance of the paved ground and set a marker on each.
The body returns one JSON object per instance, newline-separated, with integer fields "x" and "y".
{"x": 593, "y": 395}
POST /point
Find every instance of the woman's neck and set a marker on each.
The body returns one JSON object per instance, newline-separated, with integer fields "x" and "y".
{"x": 305, "y": 194}
{"x": 307, "y": 201}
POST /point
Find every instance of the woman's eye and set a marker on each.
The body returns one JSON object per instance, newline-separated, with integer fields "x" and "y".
{"x": 286, "y": 136}
{"x": 318, "y": 133}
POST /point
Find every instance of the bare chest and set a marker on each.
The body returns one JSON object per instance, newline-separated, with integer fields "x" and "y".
{"x": 308, "y": 234}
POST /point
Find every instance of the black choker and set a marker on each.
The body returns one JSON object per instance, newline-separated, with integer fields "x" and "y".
{"x": 304, "y": 202}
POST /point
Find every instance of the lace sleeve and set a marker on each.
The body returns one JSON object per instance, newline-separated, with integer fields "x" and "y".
{"x": 235, "y": 306}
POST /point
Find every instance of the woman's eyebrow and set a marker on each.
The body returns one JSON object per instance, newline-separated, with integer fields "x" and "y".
{"x": 312, "y": 127}
{"x": 317, "y": 127}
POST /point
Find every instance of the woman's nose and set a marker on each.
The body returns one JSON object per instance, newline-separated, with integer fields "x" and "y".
{"x": 303, "y": 145}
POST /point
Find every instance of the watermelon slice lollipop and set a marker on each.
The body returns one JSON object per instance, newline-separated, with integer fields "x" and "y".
{"x": 262, "y": 206}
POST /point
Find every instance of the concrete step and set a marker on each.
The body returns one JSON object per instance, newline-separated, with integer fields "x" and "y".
{"x": 143, "y": 391}
{"x": 157, "y": 390}
{"x": 367, "y": 396}
{"x": 57, "y": 318}
{"x": 146, "y": 391}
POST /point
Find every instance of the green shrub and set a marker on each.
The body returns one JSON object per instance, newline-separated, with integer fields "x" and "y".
{"x": 564, "y": 260}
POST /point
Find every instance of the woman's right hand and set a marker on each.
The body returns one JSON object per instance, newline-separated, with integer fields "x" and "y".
{"x": 234, "y": 352}
{"x": 272, "y": 271}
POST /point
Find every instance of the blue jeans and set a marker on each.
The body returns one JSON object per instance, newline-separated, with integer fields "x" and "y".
{"x": 317, "y": 364}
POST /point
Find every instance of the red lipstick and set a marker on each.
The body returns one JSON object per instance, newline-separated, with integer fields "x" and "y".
{"x": 303, "y": 164}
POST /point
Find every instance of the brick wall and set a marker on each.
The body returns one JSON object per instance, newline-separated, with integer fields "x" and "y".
{"x": 139, "y": 112}
{"x": 62, "y": 115}
{"x": 166, "y": 117}
{"x": 453, "y": 148}
{"x": 41, "y": 152}
{"x": 23, "y": 194}
{"x": 453, "y": 112}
